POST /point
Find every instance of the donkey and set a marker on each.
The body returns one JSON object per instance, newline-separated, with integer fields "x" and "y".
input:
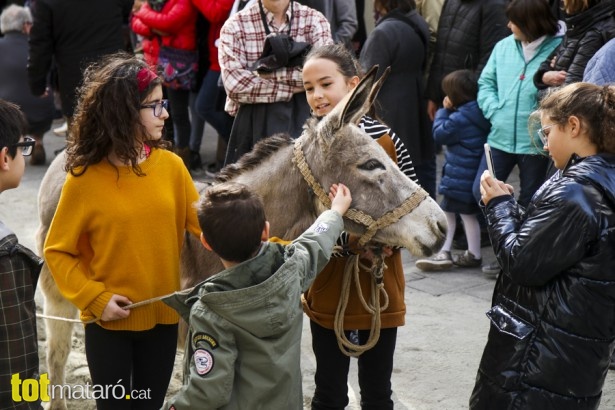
{"x": 334, "y": 149}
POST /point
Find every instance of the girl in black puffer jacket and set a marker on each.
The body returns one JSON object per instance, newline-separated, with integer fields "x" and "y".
{"x": 553, "y": 316}
{"x": 591, "y": 24}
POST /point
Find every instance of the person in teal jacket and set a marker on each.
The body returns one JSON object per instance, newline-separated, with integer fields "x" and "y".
{"x": 244, "y": 341}
{"x": 507, "y": 95}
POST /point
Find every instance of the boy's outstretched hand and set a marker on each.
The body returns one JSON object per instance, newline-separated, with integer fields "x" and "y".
{"x": 340, "y": 197}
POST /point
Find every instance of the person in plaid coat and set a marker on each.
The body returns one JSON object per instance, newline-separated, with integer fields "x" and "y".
{"x": 19, "y": 270}
{"x": 266, "y": 103}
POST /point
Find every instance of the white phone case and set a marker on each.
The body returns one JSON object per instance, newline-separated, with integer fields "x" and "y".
{"x": 489, "y": 158}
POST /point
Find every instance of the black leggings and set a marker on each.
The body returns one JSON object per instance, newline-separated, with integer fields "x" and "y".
{"x": 140, "y": 361}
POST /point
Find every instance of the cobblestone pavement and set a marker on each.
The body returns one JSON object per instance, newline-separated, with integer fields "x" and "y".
{"x": 438, "y": 349}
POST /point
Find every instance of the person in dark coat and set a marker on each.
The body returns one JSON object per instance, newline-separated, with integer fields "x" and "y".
{"x": 401, "y": 40}
{"x": 467, "y": 32}
{"x": 552, "y": 318}
{"x": 590, "y": 25}
{"x": 342, "y": 16}
{"x": 73, "y": 33}
{"x": 15, "y": 24}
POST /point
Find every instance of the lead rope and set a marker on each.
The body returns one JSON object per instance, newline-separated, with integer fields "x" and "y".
{"x": 352, "y": 271}
{"x": 127, "y": 307}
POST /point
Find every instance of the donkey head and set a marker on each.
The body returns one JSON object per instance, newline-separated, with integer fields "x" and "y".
{"x": 337, "y": 150}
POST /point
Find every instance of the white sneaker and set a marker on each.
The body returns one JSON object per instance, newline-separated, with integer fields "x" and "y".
{"x": 441, "y": 261}
{"x": 61, "y": 130}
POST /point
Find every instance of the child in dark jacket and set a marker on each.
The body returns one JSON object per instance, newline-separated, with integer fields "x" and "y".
{"x": 463, "y": 129}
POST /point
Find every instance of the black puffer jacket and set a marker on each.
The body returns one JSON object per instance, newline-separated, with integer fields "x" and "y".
{"x": 553, "y": 317}
{"x": 586, "y": 33}
{"x": 467, "y": 32}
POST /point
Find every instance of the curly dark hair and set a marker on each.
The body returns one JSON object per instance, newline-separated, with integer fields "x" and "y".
{"x": 107, "y": 116}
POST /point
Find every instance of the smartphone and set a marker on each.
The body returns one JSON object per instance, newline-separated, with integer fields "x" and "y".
{"x": 489, "y": 159}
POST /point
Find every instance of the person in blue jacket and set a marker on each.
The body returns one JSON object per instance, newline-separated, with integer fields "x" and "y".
{"x": 463, "y": 129}
{"x": 507, "y": 95}
{"x": 599, "y": 69}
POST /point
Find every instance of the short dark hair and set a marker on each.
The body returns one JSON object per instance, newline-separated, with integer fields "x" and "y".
{"x": 13, "y": 126}
{"x": 533, "y": 17}
{"x": 404, "y": 6}
{"x": 460, "y": 86}
{"x": 232, "y": 219}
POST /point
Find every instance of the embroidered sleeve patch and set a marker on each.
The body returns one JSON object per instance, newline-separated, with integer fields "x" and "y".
{"x": 203, "y": 361}
{"x": 321, "y": 227}
{"x": 204, "y": 337}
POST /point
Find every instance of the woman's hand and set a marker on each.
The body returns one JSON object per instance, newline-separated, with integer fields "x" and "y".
{"x": 491, "y": 188}
{"x": 554, "y": 78}
{"x": 115, "y": 308}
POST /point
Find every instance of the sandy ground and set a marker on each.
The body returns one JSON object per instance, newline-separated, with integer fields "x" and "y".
{"x": 438, "y": 350}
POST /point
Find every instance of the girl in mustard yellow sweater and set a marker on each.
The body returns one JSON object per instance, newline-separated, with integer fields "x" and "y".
{"x": 118, "y": 230}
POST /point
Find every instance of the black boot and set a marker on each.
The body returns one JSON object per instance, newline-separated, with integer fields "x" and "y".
{"x": 195, "y": 161}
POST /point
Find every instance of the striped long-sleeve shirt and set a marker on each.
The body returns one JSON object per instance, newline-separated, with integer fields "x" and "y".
{"x": 376, "y": 129}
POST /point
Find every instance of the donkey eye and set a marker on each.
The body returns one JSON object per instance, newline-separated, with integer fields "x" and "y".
{"x": 371, "y": 165}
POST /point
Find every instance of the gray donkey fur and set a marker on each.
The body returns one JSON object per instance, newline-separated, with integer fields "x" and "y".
{"x": 336, "y": 151}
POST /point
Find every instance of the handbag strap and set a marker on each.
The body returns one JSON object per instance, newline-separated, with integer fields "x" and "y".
{"x": 264, "y": 17}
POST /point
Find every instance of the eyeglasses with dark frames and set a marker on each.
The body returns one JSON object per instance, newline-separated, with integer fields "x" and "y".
{"x": 26, "y": 146}
{"x": 157, "y": 107}
{"x": 543, "y": 133}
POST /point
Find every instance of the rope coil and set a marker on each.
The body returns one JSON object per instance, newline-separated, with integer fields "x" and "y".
{"x": 352, "y": 271}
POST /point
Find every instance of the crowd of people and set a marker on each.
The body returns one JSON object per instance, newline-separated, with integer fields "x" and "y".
{"x": 137, "y": 80}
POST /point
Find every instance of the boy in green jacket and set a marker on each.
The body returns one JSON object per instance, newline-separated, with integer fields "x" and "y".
{"x": 245, "y": 323}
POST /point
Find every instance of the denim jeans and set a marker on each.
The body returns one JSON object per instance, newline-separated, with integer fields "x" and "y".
{"x": 532, "y": 172}
{"x": 375, "y": 368}
{"x": 206, "y": 106}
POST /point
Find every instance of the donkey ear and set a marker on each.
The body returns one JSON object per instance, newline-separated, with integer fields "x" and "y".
{"x": 357, "y": 104}
{"x": 377, "y": 86}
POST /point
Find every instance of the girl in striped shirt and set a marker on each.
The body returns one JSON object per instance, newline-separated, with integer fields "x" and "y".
{"x": 329, "y": 73}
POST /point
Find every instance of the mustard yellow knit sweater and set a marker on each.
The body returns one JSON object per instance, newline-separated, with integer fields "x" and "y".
{"x": 118, "y": 233}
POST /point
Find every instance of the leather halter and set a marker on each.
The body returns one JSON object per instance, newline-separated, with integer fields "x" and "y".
{"x": 389, "y": 218}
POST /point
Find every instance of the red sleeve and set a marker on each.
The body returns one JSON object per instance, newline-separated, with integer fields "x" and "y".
{"x": 171, "y": 19}
{"x": 215, "y": 11}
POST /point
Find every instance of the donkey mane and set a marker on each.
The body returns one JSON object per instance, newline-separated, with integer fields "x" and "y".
{"x": 262, "y": 150}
